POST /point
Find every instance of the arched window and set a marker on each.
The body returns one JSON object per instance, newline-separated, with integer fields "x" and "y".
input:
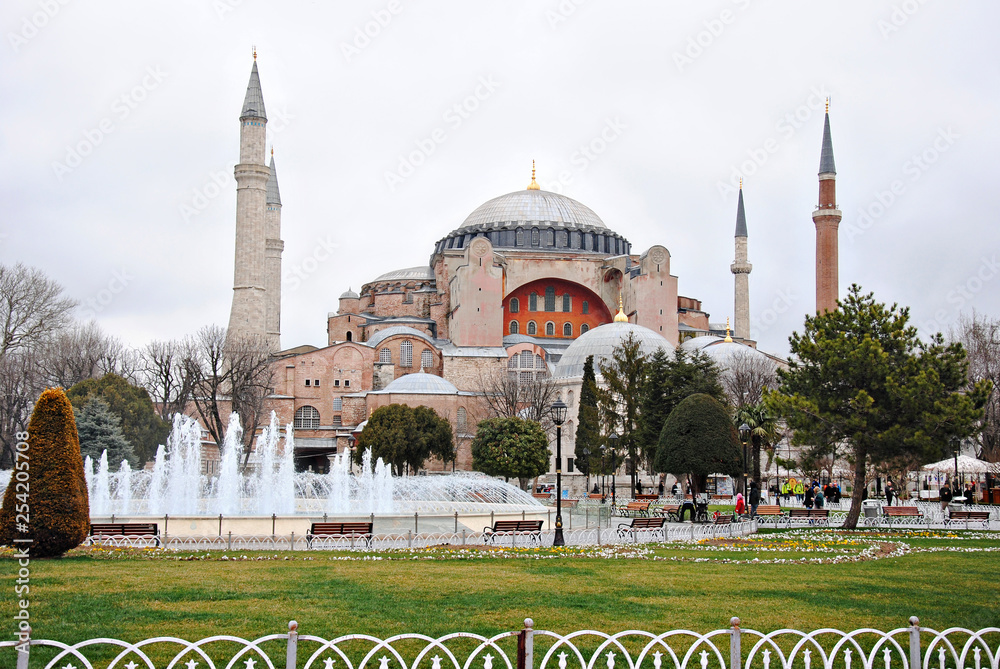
{"x": 540, "y": 362}
{"x": 515, "y": 305}
{"x": 584, "y": 328}
{"x": 586, "y": 307}
{"x": 532, "y": 328}
{"x": 550, "y": 299}
{"x": 460, "y": 420}
{"x": 550, "y": 329}
{"x": 306, "y": 418}
{"x": 533, "y": 302}
{"x": 534, "y": 236}
{"x": 567, "y": 302}
{"x": 426, "y": 358}
{"x": 350, "y": 336}
{"x": 569, "y": 400}
{"x": 384, "y": 355}
{"x": 513, "y": 327}
{"x": 520, "y": 237}
{"x": 406, "y": 354}
{"x": 567, "y": 329}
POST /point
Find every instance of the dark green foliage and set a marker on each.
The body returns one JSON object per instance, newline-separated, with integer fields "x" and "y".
{"x": 764, "y": 433}
{"x": 54, "y": 497}
{"x": 99, "y": 431}
{"x": 670, "y": 380}
{"x": 140, "y": 424}
{"x": 588, "y": 423}
{"x": 860, "y": 376}
{"x": 510, "y": 447}
{"x": 405, "y": 437}
{"x": 699, "y": 439}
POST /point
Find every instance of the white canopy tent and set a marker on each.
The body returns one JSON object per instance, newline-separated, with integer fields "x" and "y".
{"x": 966, "y": 465}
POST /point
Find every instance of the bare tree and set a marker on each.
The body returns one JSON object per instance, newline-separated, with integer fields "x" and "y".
{"x": 745, "y": 377}
{"x": 20, "y": 384}
{"x": 981, "y": 338}
{"x": 164, "y": 377}
{"x": 74, "y": 354}
{"x": 512, "y": 393}
{"x": 229, "y": 371}
{"x": 32, "y": 307}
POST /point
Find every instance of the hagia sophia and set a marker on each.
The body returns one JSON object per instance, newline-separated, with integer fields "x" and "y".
{"x": 529, "y": 284}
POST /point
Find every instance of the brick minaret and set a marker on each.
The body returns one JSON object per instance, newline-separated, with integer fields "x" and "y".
{"x": 741, "y": 269}
{"x": 827, "y": 219}
{"x": 273, "y": 246}
{"x": 248, "y": 315}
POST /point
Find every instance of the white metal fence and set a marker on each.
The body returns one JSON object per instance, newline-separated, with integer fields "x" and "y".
{"x": 911, "y": 647}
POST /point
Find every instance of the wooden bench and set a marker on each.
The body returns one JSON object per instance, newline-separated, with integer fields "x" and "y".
{"x": 670, "y": 512}
{"x": 771, "y": 512}
{"x": 723, "y": 519}
{"x": 147, "y": 530}
{"x": 970, "y": 516}
{"x": 595, "y": 495}
{"x": 353, "y": 530}
{"x": 513, "y": 528}
{"x": 542, "y": 495}
{"x": 814, "y": 516}
{"x": 901, "y": 513}
{"x": 646, "y": 498}
{"x": 641, "y": 525}
{"x": 633, "y": 509}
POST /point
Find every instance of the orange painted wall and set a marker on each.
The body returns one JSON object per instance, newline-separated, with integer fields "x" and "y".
{"x": 599, "y": 314}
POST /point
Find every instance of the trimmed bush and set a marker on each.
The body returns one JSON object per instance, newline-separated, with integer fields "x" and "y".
{"x": 58, "y": 508}
{"x": 699, "y": 439}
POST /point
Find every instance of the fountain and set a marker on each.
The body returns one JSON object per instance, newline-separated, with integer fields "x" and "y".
{"x": 264, "y": 484}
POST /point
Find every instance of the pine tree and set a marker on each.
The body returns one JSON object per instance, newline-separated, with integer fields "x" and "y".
{"x": 52, "y": 507}
{"x": 99, "y": 431}
{"x": 624, "y": 376}
{"x": 588, "y": 423}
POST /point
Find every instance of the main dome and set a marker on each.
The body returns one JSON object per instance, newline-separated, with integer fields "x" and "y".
{"x": 537, "y": 220}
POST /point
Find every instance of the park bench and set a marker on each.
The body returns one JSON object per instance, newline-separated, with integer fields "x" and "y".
{"x": 723, "y": 519}
{"x": 669, "y": 511}
{"x": 642, "y": 525}
{"x": 352, "y": 530}
{"x": 544, "y": 496}
{"x": 970, "y": 516}
{"x": 814, "y": 516}
{"x": 633, "y": 509}
{"x": 772, "y": 513}
{"x": 899, "y": 514}
{"x": 146, "y": 530}
{"x": 595, "y": 495}
{"x": 646, "y": 498}
{"x": 513, "y": 528}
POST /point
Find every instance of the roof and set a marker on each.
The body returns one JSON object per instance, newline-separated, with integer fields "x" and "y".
{"x": 741, "y": 217}
{"x": 349, "y": 295}
{"x": 601, "y": 342}
{"x": 532, "y": 206}
{"x": 382, "y": 335}
{"x": 422, "y": 272}
{"x": 826, "y": 165}
{"x": 420, "y": 383}
{"x": 273, "y": 195}
{"x": 253, "y": 103}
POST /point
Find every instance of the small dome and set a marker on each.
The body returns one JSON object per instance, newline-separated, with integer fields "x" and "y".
{"x": 699, "y": 343}
{"x": 350, "y": 295}
{"x": 421, "y": 383}
{"x": 422, "y": 273}
{"x": 601, "y": 342}
{"x": 724, "y": 353}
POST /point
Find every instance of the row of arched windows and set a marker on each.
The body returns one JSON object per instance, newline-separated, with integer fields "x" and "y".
{"x": 565, "y": 302}
{"x": 531, "y": 328}
{"x": 406, "y": 355}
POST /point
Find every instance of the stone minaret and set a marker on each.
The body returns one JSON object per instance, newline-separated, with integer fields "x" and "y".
{"x": 741, "y": 269}
{"x": 273, "y": 247}
{"x": 248, "y": 315}
{"x": 827, "y": 219}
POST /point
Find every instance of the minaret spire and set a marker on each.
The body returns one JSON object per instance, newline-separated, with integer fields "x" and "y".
{"x": 741, "y": 272}
{"x": 534, "y": 184}
{"x": 827, "y": 220}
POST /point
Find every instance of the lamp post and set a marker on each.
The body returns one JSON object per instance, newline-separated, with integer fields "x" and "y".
{"x": 351, "y": 441}
{"x": 559, "y": 409}
{"x": 613, "y": 440}
{"x": 586, "y": 458}
{"x": 955, "y": 446}
{"x": 604, "y": 476}
{"x": 744, "y": 434}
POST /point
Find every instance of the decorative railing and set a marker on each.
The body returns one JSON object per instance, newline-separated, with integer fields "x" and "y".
{"x": 912, "y": 647}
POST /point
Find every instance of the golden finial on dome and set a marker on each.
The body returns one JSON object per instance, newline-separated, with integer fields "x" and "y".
{"x": 620, "y": 317}
{"x": 728, "y": 338}
{"x": 255, "y": 52}
{"x": 534, "y": 184}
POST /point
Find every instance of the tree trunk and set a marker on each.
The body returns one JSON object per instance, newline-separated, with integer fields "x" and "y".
{"x": 859, "y": 486}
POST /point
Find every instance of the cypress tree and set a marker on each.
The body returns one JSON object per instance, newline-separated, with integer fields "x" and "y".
{"x": 588, "y": 422}
{"x": 55, "y": 490}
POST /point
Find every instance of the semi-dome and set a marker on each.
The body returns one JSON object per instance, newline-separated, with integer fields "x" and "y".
{"x": 421, "y": 383}
{"x": 699, "y": 343}
{"x": 601, "y": 342}
{"x": 537, "y": 220}
{"x": 423, "y": 272}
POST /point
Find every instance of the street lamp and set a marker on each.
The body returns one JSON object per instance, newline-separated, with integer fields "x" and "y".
{"x": 351, "y": 441}
{"x": 586, "y": 459}
{"x": 744, "y": 435}
{"x": 956, "y": 445}
{"x": 604, "y": 476}
{"x": 613, "y": 441}
{"x": 559, "y": 410}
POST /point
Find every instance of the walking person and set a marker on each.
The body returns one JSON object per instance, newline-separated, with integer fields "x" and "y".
{"x": 889, "y": 493}
{"x": 945, "y": 495}
{"x": 819, "y": 499}
{"x": 754, "y": 498}
{"x": 808, "y": 501}
{"x": 799, "y": 491}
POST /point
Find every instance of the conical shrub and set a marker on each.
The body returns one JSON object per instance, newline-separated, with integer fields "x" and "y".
{"x": 54, "y": 496}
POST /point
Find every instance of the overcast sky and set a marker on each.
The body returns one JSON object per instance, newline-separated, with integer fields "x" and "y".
{"x": 392, "y": 120}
